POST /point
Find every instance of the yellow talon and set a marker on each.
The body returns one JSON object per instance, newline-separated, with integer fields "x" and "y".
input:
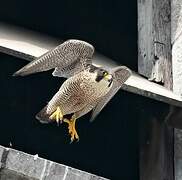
{"x": 71, "y": 128}
{"x": 57, "y": 115}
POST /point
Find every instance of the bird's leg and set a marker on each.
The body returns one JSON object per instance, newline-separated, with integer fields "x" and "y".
{"x": 71, "y": 128}
{"x": 57, "y": 115}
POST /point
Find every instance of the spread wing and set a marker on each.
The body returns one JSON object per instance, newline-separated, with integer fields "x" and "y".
{"x": 68, "y": 58}
{"x": 120, "y": 75}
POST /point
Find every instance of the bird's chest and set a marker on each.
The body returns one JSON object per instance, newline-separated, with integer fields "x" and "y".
{"x": 92, "y": 89}
{"x": 83, "y": 89}
{"x": 79, "y": 91}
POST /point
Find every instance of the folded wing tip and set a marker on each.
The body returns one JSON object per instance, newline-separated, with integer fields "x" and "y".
{"x": 92, "y": 118}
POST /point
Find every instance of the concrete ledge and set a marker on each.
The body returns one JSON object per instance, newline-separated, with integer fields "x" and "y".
{"x": 16, "y": 165}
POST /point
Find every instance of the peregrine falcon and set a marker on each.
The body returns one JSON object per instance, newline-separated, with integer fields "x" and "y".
{"x": 87, "y": 87}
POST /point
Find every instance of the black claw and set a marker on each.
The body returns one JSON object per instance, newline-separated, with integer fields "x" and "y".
{"x": 58, "y": 123}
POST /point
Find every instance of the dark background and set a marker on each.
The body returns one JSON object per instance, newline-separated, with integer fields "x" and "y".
{"x": 109, "y": 146}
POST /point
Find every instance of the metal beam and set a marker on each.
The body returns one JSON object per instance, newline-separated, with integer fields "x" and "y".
{"x": 26, "y": 44}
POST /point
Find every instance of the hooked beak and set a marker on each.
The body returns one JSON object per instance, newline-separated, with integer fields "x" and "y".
{"x": 108, "y": 77}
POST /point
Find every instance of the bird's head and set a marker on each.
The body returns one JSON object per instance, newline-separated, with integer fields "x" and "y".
{"x": 103, "y": 76}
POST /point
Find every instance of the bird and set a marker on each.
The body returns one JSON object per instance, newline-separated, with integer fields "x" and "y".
{"x": 88, "y": 87}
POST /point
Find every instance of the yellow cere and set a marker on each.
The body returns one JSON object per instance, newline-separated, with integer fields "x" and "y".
{"x": 106, "y": 73}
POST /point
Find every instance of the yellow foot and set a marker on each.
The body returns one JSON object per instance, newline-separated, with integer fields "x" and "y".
{"x": 57, "y": 115}
{"x": 71, "y": 128}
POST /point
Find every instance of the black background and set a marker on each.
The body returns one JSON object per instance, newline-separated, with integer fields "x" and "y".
{"x": 109, "y": 146}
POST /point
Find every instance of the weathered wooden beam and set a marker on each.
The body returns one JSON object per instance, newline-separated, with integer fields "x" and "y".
{"x": 176, "y": 41}
{"x": 154, "y": 62}
{"x": 154, "y": 36}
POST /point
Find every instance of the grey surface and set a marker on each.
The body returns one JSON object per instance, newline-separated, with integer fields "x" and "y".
{"x": 11, "y": 175}
{"x": 25, "y": 164}
{"x": 176, "y": 20}
{"x": 178, "y": 155}
{"x": 76, "y": 175}
{"x": 22, "y": 166}
{"x": 54, "y": 171}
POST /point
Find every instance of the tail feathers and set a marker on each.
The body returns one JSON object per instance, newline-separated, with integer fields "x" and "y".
{"x": 43, "y": 116}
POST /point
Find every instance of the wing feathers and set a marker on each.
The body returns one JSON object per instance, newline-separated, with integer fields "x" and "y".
{"x": 62, "y": 57}
{"x": 44, "y": 63}
{"x": 120, "y": 75}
